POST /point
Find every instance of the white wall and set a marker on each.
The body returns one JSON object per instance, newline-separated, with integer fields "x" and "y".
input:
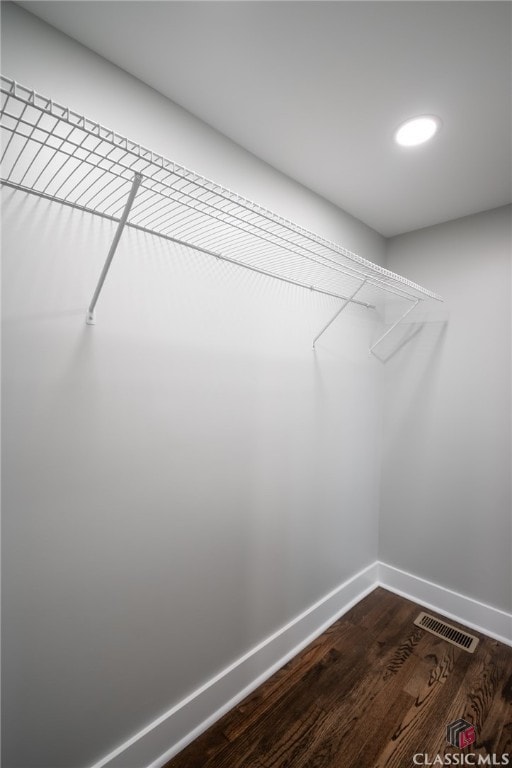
{"x": 446, "y": 480}
{"x": 184, "y": 477}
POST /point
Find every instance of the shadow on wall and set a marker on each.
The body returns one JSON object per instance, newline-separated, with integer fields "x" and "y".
{"x": 394, "y": 346}
{"x": 409, "y": 335}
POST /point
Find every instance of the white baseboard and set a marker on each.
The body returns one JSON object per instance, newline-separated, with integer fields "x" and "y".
{"x": 149, "y": 748}
{"x": 193, "y": 715}
{"x": 465, "y": 610}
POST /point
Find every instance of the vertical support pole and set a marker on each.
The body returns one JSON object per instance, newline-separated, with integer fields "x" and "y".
{"x": 409, "y": 309}
{"x": 340, "y": 310}
{"x": 122, "y": 221}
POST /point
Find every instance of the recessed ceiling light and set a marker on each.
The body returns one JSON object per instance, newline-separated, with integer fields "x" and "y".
{"x": 417, "y": 130}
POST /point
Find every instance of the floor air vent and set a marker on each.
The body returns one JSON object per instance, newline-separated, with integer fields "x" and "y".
{"x": 447, "y": 632}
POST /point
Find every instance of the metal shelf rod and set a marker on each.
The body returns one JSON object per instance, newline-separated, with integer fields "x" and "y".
{"x": 141, "y": 153}
{"x": 397, "y": 322}
{"x": 305, "y": 252}
{"x": 338, "y": 313}
{"x": 186, "y": 244}
{"x": 53, "y": 152}
{"x": 115, "y": 242}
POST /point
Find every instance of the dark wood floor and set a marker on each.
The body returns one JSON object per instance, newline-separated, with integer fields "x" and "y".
{"x": 369, "y": 693}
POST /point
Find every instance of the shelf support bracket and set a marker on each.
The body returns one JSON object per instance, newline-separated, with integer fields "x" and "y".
{"x": 397, "y": 322}
{"x": 340, "y": 310}
{"x": 90, "y": 320}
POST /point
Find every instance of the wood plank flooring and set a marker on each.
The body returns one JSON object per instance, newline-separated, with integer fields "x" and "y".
{"x": 371, "y": 692}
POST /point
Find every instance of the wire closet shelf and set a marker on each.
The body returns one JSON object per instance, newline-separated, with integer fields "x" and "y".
{"x": 60, "y": 155}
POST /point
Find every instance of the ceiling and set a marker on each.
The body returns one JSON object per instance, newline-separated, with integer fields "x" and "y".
{"x": 317, "y": 89}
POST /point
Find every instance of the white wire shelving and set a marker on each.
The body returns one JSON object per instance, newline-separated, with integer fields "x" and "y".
{"x": 51, "y": 151}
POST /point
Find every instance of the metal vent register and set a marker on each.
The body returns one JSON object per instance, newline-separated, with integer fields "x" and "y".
{"x": 447, "y": 632}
